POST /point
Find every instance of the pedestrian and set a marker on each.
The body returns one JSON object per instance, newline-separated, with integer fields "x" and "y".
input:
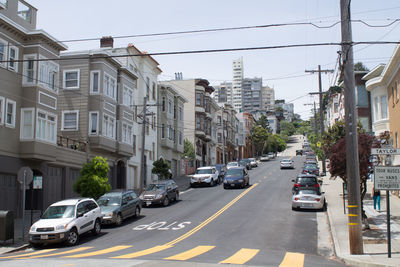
{"x": 377, "y": 198}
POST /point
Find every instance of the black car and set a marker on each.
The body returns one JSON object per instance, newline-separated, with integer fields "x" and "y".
{"x": 245, "y": 163}
{"x": 118, "y": 205}
{"x": 299, "y": 152}
{"x": 305, "y": 180}
{"x": 160, "y": 192}
{"x": 236, "y": 177}
{"x": 221, "y": 170}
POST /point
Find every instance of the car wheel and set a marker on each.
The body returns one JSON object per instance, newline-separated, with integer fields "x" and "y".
{"x": 137, "y": 212}
{"x": 73, "y": 237}
{"x": 97, "y": 227}
{"x": 165, "y": 202}
{"x": 176, "y": 196}
{"x": 35, "y": 245}
{"x": 118, "y": 220}
{"x": 192, "y": 185}
{"x": 212, "y": 183}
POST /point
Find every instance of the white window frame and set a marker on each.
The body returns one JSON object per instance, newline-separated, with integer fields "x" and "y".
{"x": 45, "y": 71}
{"x": 76, "y": 128}
{"x": 3, "y": 4}
{"x": 2, "y": 109}
{"x": 65, "y": 72}
{"x": 28, "y": 57}
{"x": 106, "y": 85}
{"x": 92, "y": 79}
{"x": 47, "y": 122}
{"x": 105, "y": 127}
{"x": 91, "y": 124}
{"x": 127, "y": 133}
{"x": 13, "y": 115}
{"x": 127, "y": 96}
{"x": 15, "y": 68}
{"x": 169, "y": 106}
{"x": 22, "y": 125}
{"x": 5, "y": 55}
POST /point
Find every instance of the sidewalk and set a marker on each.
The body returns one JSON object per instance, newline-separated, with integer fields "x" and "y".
{"x": 375, "y": 238}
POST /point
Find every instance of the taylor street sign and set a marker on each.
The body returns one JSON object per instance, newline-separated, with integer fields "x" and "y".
{"x": 385, "y": 151}
{"x": 387, "y": 178}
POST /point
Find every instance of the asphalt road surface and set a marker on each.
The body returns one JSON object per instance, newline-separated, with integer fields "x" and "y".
{"x": 253, "y": 226}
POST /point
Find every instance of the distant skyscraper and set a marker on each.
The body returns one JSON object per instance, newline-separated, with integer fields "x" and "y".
{"x": 268, "y": 99}
{"x": 223, "y": 93}
{"x": 237, "y": 67}
{"x": 251, "y": 94}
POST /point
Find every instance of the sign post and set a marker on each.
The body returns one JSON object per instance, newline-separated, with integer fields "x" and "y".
{"x": 25, "y": 176}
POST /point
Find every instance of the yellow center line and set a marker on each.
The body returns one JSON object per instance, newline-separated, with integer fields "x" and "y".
{"x": 142, "y": 252}
{"x": 98, "y": 252}
{"x": 29, "y": 254}
{"x": 242, "y": 256}
{"x": 58, "y": 253}
{"x": 292, "y": 260}
{"x": 190, "y": 253}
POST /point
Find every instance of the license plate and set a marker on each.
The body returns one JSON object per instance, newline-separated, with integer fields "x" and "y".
{"x": 44, "y": 237}
{"x": 232, "y": 184}
{"x": 148, "y": 203}
{"x": 306, "y": 205}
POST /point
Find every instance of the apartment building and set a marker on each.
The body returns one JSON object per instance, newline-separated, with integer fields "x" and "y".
{"x": 246, "y": 147}
{"x": 332, "y": 110}
{"x": 170, "y": 126}
{"x": 251, "y": 94}
{"x": 223, "y": 93}
{"x": 267, "y": 99}
{"x": 238, "y": 72}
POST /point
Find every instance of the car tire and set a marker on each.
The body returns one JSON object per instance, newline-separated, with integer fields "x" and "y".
{"x": 72, "y": 237}
{"x": 166, "y": 201}
{"x": 97, "y": 227}
{"x": 192, "y": 185}
{"x": 35, "y": 245}
{"x": 118, "y": 220}
{"x": 176, "y": 197}
{"x": 212, "y": 183}
{"x": 137, "y": 212}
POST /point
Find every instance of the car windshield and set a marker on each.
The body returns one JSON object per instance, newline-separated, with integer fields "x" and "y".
{"x": 242, "y": 162}
{"x": 234, "y": 172}
{"x": 232, "y": 164}
{"x": 109, "y": 201}
{"x": 265, "y": 155}
{"x": 57, "y": 212}
{"x": 286, "y": 161}
{"x": 310, "y": 166}
{"x": 252, "y": 159}
{"x": 307, "y": 180}
{"x": 204, "y": 171}
{"x": 219, "y": 168}
{"x": 152, "y": 187}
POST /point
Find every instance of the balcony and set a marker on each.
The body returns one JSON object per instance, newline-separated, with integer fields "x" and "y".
{"x": 103, "y": 144}
{"x": 199, "y": 109}
{"x": 200, "y": 133}
{"x": 38, "y": 150}
{"x": 71, "y": 143}
{"x": 125, "y": 149}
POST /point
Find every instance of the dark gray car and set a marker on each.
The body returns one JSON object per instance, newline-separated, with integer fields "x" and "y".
{"x": 160, "y": 192}
{"x": 118, "y": 205}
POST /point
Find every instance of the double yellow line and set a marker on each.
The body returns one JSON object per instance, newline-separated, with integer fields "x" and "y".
{"x": 213, "y": 217}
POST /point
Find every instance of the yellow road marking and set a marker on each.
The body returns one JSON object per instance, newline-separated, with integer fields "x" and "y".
{"x": 353, "y": 224}
{"x": 352, "y": 206}
{"x": 353, "y": 215}
{"x": 98, "y": 252}
{"x": 58, "y": 253}
{"x": 29, "y": 254}
{"x": 242, "y": 256}
{"x": 292, "y": 260}
{"x": 190, "y": 253}
{"x": 213, "y": 217}
{"x": 142, "y": 252}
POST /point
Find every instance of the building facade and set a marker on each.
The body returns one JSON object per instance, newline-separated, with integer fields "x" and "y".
{"x": 267, "y": 99}
{"x": 238, "y": 72}
{"x": 251, "y": 94}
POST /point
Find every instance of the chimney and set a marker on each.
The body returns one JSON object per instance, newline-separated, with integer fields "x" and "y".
{"x": 107, "y": 41}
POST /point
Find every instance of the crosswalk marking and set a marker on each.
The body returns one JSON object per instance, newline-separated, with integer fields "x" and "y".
{"x": 190, "y": 253}
{"x": 29, "y": 254}
{"x": 242, "y": 256}
{"x": 292, "y": 260}
{"x": 98, "y": 252}
{"x": 58, "y": 253}
{"x": 142, "y": 252}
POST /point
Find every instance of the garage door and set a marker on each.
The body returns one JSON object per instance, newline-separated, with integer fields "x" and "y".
{"x": 9, "y": 193}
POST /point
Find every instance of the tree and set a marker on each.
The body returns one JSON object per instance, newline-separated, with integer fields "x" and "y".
{"x": 161, "y": 168}
{"x": 263, "y": 122}
{"x": 259, "y": 136}
{"x": 287, "y": 128}
{"x": 93, "y": 181}
{"x": 359, "y": 66}
{"x": 188, "y": 150}
{"x": 276, "y": 143}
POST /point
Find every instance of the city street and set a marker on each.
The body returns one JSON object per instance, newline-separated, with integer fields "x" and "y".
{"x": 253, "y": 226}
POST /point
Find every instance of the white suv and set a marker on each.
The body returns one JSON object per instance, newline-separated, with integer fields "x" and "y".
{"x": 205, "y": 175}
{"x": 65, "y": 221}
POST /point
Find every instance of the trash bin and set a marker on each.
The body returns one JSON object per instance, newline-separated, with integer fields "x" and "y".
{"x": 6, "y": 225}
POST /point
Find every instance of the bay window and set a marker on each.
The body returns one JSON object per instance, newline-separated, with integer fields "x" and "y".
{"x": 109, "y": 86}
{"x": 27, "y": 123}
{"x": 108, "y": 126}
{"x": 46, "y": 126}
{"x": 94, "y": 123}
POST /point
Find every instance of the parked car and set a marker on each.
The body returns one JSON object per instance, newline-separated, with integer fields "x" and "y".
{"x": 305, "y": 180}
{"x": 311, "y": 169}
{"x": 232, "y": 164}
{"x": 271, "y": 155}
{"x": 221, "y": 168}
{"x": 264, "y": 157}
{"x": 118, "y": 205}
{"x": 299, "y": 152}
{"x": 160, "y": 192}
{"x": 245, "y": 163}
{"x": 236, "y": 177}
{"x": 308, "y": 198}
{"x": 205, "y": 175}
{"x": 287, "y": 164}
{"x": 311, "y": 161}
{"x": 253, "y": 162}
{"x": 65, "y": 220}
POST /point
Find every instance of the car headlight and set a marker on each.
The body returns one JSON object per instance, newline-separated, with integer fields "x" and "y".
{"x": 225, "y": 181}
{"x": 108, "y": 214}
{"x": 141, "y": 196}
{"x": 240, "y": 180}
{"x": 159, "y": 196}
{"x": 33, "y": 228}
{"x": 61, "y": 227}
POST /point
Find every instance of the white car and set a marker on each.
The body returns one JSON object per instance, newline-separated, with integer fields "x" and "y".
{"x": 253, "y": 162}
{"x": 264, "y": 157}
{"x": 205, "y": 175}
{"x": 287, "y": 164}
{"x": 232, "y": 165}
{"x": 308, "y": 198}
{"x": 65, "y": 221}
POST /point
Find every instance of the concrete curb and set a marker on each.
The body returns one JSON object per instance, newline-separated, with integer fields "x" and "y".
{"x": 23, "y": 247}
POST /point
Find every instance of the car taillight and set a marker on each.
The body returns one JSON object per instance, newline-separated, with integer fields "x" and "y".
{"x": 317, "y": 199}
{"x": 296, "y": 185}
{"x": 296, "y": 198}
{"x": 316, "y": 185}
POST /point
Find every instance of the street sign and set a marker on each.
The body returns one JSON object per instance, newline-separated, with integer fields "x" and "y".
{"x": 387, "y": 178}
{"x": 37, "y": 182}
{"x": 319, "y": 144}
{"x": 27, "y": 172}
{"x": 385, "y": 151}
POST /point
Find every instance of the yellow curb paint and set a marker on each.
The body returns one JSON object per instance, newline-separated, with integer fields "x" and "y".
{"x": 58, "y": 253}
{"x": 352, "y": 206}
{"x": 242, "y": 256}
{"x": 142, "y": 252}
{"x": 352, "y": 215}
{"x": 292, "y": 260}
{"x": 353, "y": 224}
{"x": 29, "y": 254}
{"x": 98, "y": 252}
{"x": 190, "y": 253}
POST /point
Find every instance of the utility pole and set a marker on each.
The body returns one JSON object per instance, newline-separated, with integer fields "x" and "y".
{"x": 142, "y": 158}
{"x": 352, "y": 162}
{"x": 321, "y": 112}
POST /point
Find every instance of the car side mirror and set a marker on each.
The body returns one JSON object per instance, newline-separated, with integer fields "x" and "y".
{"x": 124, "y": 202}
{"x": 293, "y": 180}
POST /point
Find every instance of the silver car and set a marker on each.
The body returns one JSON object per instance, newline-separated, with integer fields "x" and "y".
{"x": 287, "y": 164}
{"x": 308, "y": 198}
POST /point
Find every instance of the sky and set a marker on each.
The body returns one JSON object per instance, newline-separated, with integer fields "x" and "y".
{"x": 282, "y": 69}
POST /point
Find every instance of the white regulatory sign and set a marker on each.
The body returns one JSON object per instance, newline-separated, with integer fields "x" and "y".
{"x": 387, "y": 178}
{"x": 385, "y": 151}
